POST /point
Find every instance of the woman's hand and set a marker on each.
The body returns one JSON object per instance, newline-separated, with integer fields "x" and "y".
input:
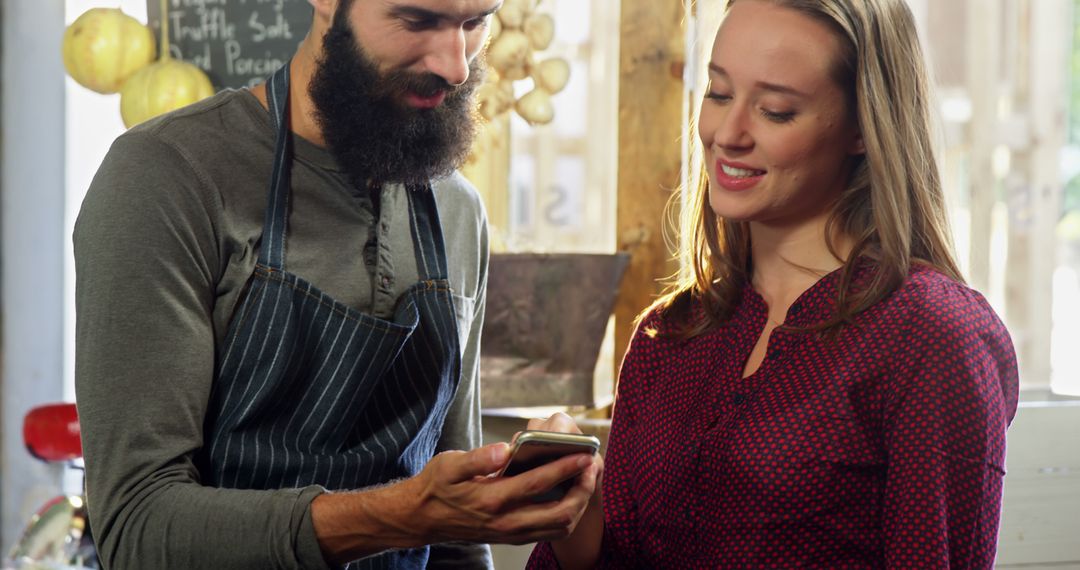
{"x": 581, "y": 548}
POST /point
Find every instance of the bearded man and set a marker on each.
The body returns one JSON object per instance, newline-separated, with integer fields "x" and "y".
{"x": 279, "y": 295}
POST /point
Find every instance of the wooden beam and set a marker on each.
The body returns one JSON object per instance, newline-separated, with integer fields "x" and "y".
{"x": 651, "y": 110}
{"x": 984, "y": 33}
{"x": 488, "y": 168}
{"x": 1035, "y": 197}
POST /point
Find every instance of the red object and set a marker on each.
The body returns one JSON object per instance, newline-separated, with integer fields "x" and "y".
{"x": 51, "y": 432}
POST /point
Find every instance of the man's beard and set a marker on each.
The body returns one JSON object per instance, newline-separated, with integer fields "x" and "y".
{"x": 373, "y": 133}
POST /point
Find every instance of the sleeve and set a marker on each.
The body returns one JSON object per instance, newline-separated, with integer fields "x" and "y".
{"x": 953, "y": 394}
{"x": 147, "y": 260}
{"x": 620, "y": 542}
{"x": 462, "y": 429}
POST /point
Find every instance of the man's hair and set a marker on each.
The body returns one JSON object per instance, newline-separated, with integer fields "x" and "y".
{"x": 893, "y": 207}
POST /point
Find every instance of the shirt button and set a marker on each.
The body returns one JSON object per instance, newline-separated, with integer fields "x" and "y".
{"x": 386, "y": 280}
{"x": 739, "y": 399}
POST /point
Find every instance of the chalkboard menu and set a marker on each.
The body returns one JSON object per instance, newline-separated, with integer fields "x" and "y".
{"x": 238, "y": 43}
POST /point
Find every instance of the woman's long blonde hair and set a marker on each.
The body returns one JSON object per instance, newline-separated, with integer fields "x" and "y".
{"x": 893, "y": 207}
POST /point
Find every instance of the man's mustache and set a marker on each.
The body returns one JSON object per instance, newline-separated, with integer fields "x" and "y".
{"x": 428, "y": 84}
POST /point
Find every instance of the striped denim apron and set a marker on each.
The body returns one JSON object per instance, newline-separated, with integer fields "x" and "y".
{"x": 310, "y": 391}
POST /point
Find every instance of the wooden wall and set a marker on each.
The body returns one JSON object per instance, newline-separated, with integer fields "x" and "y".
{"x": 651, "y": 95}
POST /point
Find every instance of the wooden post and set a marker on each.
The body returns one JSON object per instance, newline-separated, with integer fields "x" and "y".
{"x": 983, "y": 81}
{"x": 651, "y": 98}
{"x": 1035, "y": 196}
{"x": 488, "y": 168}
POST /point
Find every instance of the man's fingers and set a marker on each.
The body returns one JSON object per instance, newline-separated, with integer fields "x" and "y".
{"x": 544, "y": 521}
{"x": 584, "y": 487}
{"x": 589, "y": 479}
{"x": 543, "y": 478}
{"x": 482, "y": 461}
{"x": 556, "y": 422}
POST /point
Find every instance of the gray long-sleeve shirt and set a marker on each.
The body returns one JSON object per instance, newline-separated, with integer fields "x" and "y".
{"x": 164, "y": 245}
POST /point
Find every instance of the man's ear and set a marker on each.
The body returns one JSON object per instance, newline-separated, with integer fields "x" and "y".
{"x": 324, "y": 8}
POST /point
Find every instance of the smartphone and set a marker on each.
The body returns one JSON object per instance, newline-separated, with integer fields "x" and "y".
{"x": 534, "y": 448}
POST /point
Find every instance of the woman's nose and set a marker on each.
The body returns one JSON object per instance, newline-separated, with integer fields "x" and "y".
{"x": 732, "y": 130}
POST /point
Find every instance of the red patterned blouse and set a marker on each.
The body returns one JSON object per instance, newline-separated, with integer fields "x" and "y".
{"x": 883, "y": 447}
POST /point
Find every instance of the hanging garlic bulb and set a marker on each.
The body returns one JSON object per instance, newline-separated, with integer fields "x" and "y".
{"x": 513, "y": 13}
{"x": 509, "y": 55}
{"x": 535, "y": 107}
{"x": 517, "y": 32}
{"x": 541, "y": 31}
{"x": 552, "y": 75}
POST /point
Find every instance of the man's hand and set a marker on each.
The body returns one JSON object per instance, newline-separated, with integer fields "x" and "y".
{"x": 457, "y": 498}
{"x": 462, "y": 501}
{"x": 457, "y": 503}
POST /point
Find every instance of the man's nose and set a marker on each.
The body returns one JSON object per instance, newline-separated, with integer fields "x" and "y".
{"x": 448, "y": 58}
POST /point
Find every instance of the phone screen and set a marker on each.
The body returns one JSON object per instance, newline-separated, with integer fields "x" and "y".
{"x": 533, "y": 449}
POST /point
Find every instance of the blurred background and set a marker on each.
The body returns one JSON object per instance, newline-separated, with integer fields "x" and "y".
{"x": 586, "y": 167}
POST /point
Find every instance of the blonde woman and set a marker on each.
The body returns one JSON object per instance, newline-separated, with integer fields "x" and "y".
{"x": 823, "y": 391}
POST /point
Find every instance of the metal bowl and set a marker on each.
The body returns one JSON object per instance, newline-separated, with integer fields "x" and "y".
{"x": 57, "y": 538}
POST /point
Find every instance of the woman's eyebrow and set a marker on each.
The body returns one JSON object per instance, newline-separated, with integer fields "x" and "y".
{"x": 764, "y": 85}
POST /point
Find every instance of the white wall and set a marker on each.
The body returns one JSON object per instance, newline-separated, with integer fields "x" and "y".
{"x": 55, "y": 134}
{"x": 93, "y": 123}
{"x": 32, "y": 202}
{"x": 1039, "y": 520}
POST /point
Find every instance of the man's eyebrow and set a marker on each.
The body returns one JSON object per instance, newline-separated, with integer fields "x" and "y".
{"x": 416, "y": 12}
{"x": 774, "y": 87}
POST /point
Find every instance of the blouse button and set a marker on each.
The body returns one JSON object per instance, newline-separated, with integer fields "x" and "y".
{"x": 739, "y": 399}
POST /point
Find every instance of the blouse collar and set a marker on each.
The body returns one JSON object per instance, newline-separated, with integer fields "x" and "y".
{"x": 815, "y": 305}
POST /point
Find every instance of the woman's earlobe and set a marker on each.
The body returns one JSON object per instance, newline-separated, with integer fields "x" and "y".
{"x": 857, "y": 146}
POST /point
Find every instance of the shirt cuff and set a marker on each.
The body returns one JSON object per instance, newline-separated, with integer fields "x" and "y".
{"x": 308, "y": 552}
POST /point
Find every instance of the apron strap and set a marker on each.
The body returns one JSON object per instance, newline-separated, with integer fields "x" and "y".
{"x": 272, "y": 252}
{"x": 426, "y": 232}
